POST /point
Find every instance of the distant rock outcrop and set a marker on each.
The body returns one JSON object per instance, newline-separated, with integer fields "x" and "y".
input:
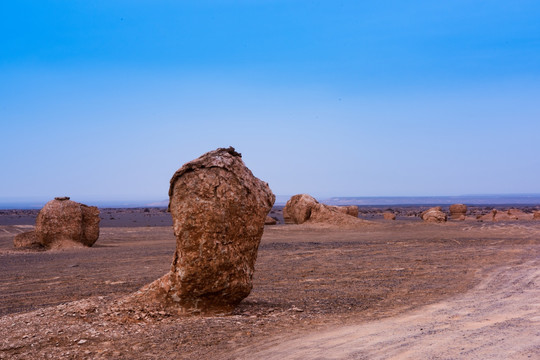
{"x": 389, "y": 216}
{"x": 505, "y": 215}
{"x": 536, "y": 215}
{"x": 62, "y": 223}
{"x": 270, "y": 221}
{"x": 298, "y": 208}
{"x": 458, "y": 211}
{"x": 351, "y": 210}
{"x": 219, "y": 209}
{"x": 304, "y": 208}
{"x": 434, "y": 214}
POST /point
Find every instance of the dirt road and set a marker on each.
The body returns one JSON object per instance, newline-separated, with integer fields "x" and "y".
{"x": 499, "y": 319}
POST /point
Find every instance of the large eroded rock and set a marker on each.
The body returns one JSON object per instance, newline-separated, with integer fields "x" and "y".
{"x": 219, "y": 209}
{"x": 62, "y": 221}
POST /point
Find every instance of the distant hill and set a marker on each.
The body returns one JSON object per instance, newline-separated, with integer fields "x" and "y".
{"x": 528, "y": 199}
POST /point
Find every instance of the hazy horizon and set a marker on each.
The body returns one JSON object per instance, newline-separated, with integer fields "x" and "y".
{"x": 478, "y": 199}
{"x": 106, "y": 100}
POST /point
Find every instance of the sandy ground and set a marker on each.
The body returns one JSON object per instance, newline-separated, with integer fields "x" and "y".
{"x": 499, "y": 319}
{"x": 403, "y": 289}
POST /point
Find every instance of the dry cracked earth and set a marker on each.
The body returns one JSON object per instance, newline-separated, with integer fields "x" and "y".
{"x": 401, "y": 290}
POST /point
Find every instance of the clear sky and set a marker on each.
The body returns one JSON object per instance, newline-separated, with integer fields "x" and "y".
{"x": 106, "y": 99}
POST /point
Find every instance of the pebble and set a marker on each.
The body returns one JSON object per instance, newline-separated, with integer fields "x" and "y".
{"x": 82, "y": 341}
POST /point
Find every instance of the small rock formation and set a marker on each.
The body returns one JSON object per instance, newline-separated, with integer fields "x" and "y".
{"x": 347, "y": 209}
{"x": 219, "y": 209}
{"x": 389, "y": 216}
{"x": 434, "y": 214}
{"x": 505, "y": 215}
{"x": 458, "y": 211}
{"x": 270, "y": 221}
{"x": 517, "y": 214}
{"x": 536, "y": 215}
{"x": 304, "y": 208}
{"x": 27, "y": 239}
{"x": 62, "y": 222}
{"x": 298, "y": 208}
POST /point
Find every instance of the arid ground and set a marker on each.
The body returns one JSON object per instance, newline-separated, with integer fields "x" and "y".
{"x": 394, "y": 289}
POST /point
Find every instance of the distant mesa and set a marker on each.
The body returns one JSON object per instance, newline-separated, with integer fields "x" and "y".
{"x": 62, "y": 223}
{"x": 219, "y": 210}
{"x": 458, "y": 211}
{"x": 304, "y": 208}
{"x": 434, "y": 215}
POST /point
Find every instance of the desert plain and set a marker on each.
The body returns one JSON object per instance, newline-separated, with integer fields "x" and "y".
{"x": 400, "y": 289}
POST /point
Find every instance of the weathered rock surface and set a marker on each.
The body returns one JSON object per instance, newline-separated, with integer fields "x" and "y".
{"x": 303, "y": 208}
{"x": 389, "y": 216}
{"x": 434, "y": 214}
{"x": 298, "y": 208}
{"x": 63, "y": 222}
{"x": 505, "y": 215}
{"x": 219, "y": 209}
{"x": 517, "y": 214}
{"x": 27, "y": 239}
{"x": 270, "y": 221}
{"x": 536, "y": 215}
{"x": 347, "y": 209}
{"x": 458, "y": 211}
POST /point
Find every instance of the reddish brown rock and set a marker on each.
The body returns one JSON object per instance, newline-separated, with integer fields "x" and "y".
{"x": 389, "y": 216}
{"x": 434, "y": 214}
{"x": 347, "y": 209}
{"x": 27, "y": 239}
{"x": 219, "y": 210}
{"x": 517, "y": 214}
{"x": 298, "y": 208}
{"x": 536, "y": 215}
{"x": 505, "y": 215}
{"x": 328, "y": 215}
{"x": 286, "y": 218}
{"x": 458, "y": 211}
{"x": 64, "y": 222}
{"x": 270, "y": 221}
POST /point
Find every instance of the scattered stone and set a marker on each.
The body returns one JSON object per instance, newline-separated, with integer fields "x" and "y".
{"x": 219, "y": 210}
{"x": 389, "y": 216}
{"x": 458, "y": 211}
{"x": 434, "y": 214}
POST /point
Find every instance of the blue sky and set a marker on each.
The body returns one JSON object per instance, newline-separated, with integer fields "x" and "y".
{"x": 104, "y": 100}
